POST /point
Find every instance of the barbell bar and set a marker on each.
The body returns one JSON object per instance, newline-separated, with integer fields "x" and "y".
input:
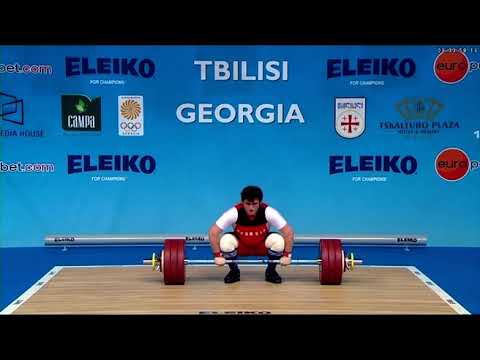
{"x": 155, "y": 263}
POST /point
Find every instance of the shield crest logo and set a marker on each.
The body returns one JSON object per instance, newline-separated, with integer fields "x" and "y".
{"x": 350, "y": 117}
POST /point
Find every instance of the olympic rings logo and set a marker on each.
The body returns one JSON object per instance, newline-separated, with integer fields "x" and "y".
{"x": 130, "y": 125}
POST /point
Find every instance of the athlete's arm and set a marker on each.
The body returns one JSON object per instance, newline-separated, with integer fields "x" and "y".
{"x": 277, "y": 220}
{"x": 288, "y": 235}
{"x": 227, "y": 219}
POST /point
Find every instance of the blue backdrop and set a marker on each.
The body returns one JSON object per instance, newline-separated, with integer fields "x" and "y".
{"x": 200, "y": 168}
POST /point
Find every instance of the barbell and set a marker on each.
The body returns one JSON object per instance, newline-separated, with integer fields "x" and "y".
{"x": 332, "y": 263}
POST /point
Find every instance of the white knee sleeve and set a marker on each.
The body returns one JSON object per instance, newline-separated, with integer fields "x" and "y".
{"x": 228, "y": 243}
{"x": 275, "y": 242}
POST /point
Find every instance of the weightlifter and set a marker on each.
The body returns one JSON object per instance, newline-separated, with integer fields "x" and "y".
{"x": 251, "y": 220}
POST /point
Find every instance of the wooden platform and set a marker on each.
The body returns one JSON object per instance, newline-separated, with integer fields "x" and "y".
{"x": 138, "y": 290}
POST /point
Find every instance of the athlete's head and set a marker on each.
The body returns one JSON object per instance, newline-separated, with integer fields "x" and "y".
{"x": 251, "y": 197}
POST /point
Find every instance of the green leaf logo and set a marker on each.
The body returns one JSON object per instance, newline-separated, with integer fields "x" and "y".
{"x": 81, "y": 106}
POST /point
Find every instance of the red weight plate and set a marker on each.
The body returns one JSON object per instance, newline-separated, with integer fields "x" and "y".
{"x": 326, "y": 262}
{"x": 174, "y": 267}
{"x": 180, "y": 273}
{"x": 168, "y": 248}
{"x": 323, "y": 267}
{"x": 331, "y": 267}
{"x": 337, "y": 266}
{"x": 174, "y": 263}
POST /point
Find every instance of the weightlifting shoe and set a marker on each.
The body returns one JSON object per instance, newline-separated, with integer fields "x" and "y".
{"x": 272, "y": 276}
{"x": 232, "y": 276}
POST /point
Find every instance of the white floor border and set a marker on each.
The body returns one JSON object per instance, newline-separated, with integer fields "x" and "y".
{"x": 30, "y": 292}
{"x": 455, "y": 305}
{"x": 55, "y": 270}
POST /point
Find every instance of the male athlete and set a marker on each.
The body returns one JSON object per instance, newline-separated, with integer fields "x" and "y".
{"x": 251, "y": 220}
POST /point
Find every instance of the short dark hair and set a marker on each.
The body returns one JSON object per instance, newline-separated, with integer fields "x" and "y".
{"x": 251, "y": 193}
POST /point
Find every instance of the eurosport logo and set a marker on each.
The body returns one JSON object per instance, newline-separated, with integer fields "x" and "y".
{"x": 453, "y": 164}
{"x": 350, "y": 117}
{"x": 130, "y": 115}
{"x": 122, "y": 163}
{"x": 132, "y": 67}
{"x": 451, "y": 67}
{"x": 26, "y": 69}
{"x": 373, "y": 67}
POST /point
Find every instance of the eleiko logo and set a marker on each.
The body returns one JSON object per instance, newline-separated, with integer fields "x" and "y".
{"x": 406, "y": 165}
{"x": 82, "y": 66}
{"x": 451, "y": 67}
{"x": 64, "y": 239}
{"x": 80, "y": 113}
{"x": 387, "y": 67}
{"x": 130, "y": 115}
{"x": 452, "y": 164}
{"x": 134, "y": 163}
{"x": 407, "y": 240}
{"x": 350, "y": 117}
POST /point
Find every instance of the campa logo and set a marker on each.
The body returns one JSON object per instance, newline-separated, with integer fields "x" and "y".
{"x": 81, "y": 113}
